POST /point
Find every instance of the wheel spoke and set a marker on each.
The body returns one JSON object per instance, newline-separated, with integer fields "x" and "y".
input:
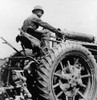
{"x": 70, "y": 98}
{"x": 76, "y": 61}
{"x": 81, "y": 83}
{"x": 68, "y": 63}
{"x": 58, "y": 74}
{"x": 66, "y": 97}
{"x": 61, "y": 65}
{"x": 54, "y": 86}
{"x": 59, "y": 94}
{"x": 73, "y": 98}
{"x": 81, "y": 94}
{"x": 84, "y": 76}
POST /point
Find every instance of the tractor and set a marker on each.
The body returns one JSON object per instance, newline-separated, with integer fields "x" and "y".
{"x": 51, "y": 69}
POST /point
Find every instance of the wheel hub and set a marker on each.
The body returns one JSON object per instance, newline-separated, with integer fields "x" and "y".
{"x": 71, "y": 74}
{"x": 71, "y": 79}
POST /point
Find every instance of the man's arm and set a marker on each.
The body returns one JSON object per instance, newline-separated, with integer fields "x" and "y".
{"x": 45, "y": 25}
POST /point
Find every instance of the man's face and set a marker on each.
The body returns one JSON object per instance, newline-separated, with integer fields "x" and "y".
{"x": 39, "y": 13}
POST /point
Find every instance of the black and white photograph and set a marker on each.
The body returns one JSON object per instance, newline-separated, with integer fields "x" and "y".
{"x": 48, "y": 49}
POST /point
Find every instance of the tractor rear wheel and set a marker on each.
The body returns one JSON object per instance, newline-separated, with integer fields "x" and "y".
{"x": 68, "y": 72}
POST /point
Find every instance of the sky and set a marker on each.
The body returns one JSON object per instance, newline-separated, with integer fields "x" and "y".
{"x": 73, "y": 15}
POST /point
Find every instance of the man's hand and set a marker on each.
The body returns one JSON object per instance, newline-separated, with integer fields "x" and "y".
{"x": 59, "y": 35}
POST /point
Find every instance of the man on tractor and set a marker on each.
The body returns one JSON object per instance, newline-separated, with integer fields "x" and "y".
{"x": 32, "y": 23}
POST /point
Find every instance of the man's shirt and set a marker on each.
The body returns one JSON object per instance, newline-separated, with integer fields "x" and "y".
{"x": 34, "y": 22}
{"x": 29, "y": 23}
